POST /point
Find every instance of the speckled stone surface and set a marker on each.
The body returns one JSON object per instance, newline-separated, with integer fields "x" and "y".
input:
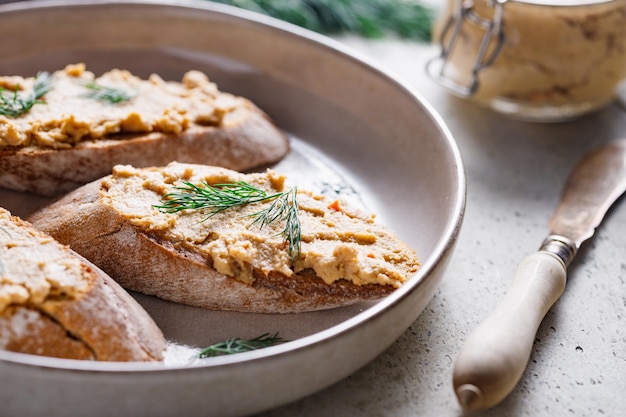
{"x": 515, "y": 173}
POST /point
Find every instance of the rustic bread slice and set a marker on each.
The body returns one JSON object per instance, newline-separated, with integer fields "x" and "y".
{"x": 55, "y": 303}
{"x": 219, "y": 261}
{"x": 74, "y": 136}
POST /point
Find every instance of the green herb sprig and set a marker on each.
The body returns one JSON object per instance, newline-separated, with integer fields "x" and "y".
{"x": 283, "y": 208}
{"x": 410, "y": 19}
{"x": 237, "y": 345}
{"x": 108, "y": 94}
{"x": 16, "y": 103}
{"x": 219, "y": 197}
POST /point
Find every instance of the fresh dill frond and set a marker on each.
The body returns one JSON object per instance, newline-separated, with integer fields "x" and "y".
{"x": 16, "y": 103}
{"x": 219, "y": 197}
{"x": 409, "y": 19}
{"x": 283, "y": 208}
{"x": 237, "y": 345}
{"x": 216, "y": 198}
{"x": 108, "y": 94}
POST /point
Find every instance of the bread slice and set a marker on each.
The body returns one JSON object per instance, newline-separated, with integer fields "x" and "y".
{"x": 72, "y": 135}
{"x": 221, "y": 261}
{"x": 55, "y": 303}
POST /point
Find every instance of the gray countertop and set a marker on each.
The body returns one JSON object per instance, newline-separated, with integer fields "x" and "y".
{"x": 515, "y": 174}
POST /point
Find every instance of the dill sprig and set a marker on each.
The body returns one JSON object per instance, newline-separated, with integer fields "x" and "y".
{"x": 16, "y": 103}
{"x": 216, "y": 198}
{"x": 108, "y": 94}
{"x": 237, "y": 345}
{"x": 410, "y": 19}
{"x": 219, "y": 197}
{"x": 283, "y": 208}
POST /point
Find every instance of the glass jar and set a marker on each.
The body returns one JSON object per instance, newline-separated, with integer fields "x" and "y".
{"x": 539, "y": 60}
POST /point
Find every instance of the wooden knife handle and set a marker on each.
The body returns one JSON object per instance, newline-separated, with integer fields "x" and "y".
{"x": 495, "y": 355}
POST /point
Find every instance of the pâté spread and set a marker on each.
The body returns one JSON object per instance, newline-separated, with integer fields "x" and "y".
{"x": 336, "y": 242}
{"x": 71, "y": 112}
{"x": 34, "y": 268}
{"x": 556, "y": 58}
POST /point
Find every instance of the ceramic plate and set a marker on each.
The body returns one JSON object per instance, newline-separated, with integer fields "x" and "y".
{"x": 355, "y": 132}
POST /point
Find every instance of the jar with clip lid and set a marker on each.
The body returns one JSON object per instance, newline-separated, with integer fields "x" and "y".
{"x": 538, "y": 60}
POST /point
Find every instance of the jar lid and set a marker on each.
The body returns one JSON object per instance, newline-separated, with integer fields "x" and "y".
{"x": 561, "y": 2}
{"x": 493, "y": 32}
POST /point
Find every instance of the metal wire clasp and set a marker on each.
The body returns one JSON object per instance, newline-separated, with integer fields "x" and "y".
{"x": 464, "y": 11}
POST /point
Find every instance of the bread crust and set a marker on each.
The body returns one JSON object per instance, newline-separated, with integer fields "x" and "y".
{"x": 104, "y": 323}
{"x": 40, "y": 335}
{"x": 246, "y": 139}
{"x": 141, "y": 262}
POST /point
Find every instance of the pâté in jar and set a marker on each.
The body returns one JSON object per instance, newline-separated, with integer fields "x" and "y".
{"x": 538, "y": 60}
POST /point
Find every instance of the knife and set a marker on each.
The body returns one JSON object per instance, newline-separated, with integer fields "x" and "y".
{"x": 496, "y": 353}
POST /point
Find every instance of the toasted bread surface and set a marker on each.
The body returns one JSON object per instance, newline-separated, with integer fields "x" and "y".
{"x": 53, "y": 302}
{"x": 218, "y": 260}
{"x": 73, "y": 138}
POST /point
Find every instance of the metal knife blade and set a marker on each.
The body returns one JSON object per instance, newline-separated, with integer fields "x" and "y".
{"x": 495, "y": 355}
{"x": 594, "y": 185}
